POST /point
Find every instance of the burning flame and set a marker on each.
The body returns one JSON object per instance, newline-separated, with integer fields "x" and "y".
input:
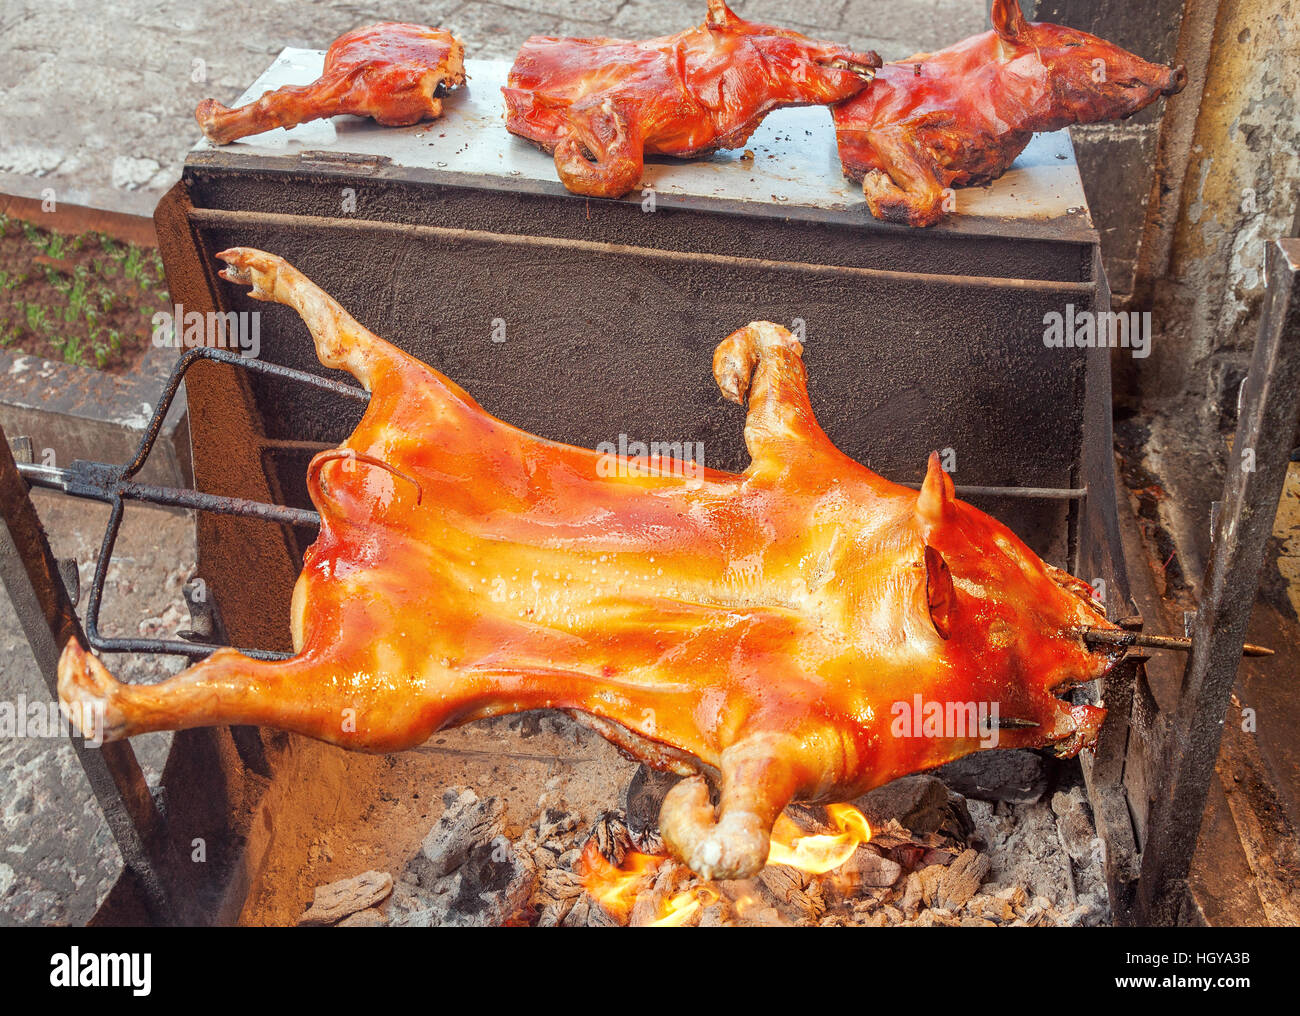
{"x": 615, "y": 886}
{"x": 817, "y": 855}
{"x": 685, "y": 905}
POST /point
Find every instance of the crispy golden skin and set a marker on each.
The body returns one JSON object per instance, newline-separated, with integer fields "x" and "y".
{"x": 961, "y": 116}
{"x": 760, "y": 626}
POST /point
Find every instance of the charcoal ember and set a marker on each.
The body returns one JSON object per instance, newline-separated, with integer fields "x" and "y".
{"x": 372, "y": 917}
{"x": 612, "y": 837}
{"x": 409, "y": 906}
{"x": 865, "y": 907}
{"x": 764, "y": 917}
{"x": 1016, "y": 896}
{"x": 793, "y": 891}
{"x": 588, "y": 913}
{"x": 936, "y": 918}
{"x": 934, "y": 856}
{"x": 1040, "y": 913}
{"x": 331, "y": 903}
{"x": 545, "y": 856}
{"x": 810, "y": 818}
{"x": 962, "y": 879}
{"x": 642, "y": 800}
{"x": 913, "y": 898}
{"x": 1074, "y": 823}
{"x": 991, "y": 908}
{"x": 782, "y": 880}
{"x": 922, "y": 889}
{"x": 557, "y": 891}
{"x": 467, "y": 823}
{"x": 921, "y": 804}
{"x": 569, "y": 859}
{"x": 492, "y": 888}
{"x": 1087, "y": 914}
{"x": 556, "y": 824}
{"x": 1017, "y": 776}
{"x": 867, "y": 869}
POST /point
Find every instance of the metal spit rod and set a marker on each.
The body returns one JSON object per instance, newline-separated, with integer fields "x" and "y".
{"x": 1128, "y": 639}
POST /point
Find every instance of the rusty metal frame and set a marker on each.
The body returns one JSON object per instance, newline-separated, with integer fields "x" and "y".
{"x": 32, "y": 579}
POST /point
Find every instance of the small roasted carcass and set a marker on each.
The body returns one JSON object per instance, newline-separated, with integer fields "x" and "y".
{"x": 600, "y": 105}
{"x": 961, "y": 116}
{"x": 763, "y": 628}
{"x": 393, "y": 72}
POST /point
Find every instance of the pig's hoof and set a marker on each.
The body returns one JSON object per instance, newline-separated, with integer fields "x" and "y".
{"x": 738, "y": 355}
{"x": 889, "y": 203}
{"x": 89, "y": 696}
{"x": 735, "y": 846}
{"x": 255, "y": 268}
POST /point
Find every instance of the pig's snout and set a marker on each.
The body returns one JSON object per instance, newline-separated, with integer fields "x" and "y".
{"x": 1177, "y": 80}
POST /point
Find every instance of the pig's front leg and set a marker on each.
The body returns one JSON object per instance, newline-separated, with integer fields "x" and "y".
{"x": 285, "y": 107}
{"x": 908, "y": 191}
{"x": 341, "y": 341}
{"x": 307, "y": 694}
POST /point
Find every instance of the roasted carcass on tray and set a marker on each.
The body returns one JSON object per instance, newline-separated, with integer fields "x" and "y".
{"x": 393, "y": 72}
{"x": 601, "y": 105}
{"x": 961, "y": 116}
{"x": 763, "y": 629}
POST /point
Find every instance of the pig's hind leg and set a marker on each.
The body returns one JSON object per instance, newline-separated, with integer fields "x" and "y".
{"x": 306, "y": 694}
{"x": 761, "y": 365}
{"x": 341, "y": 341}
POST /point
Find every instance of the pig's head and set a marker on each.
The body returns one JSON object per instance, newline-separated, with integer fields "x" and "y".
{"x": 801, "y": 69}
{"x": 1008, "y": 624}
{"x": 1090, "y": 79}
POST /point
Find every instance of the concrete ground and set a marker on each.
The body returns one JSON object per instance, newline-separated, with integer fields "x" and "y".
{"x": 57, "y": 858}
{"x": 97, "y": 100}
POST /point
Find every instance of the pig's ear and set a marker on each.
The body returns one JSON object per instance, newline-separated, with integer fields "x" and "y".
{"x": 938, "y": 495}
{"x": 1009, "y": 20}
{"x": 939, "y": 592}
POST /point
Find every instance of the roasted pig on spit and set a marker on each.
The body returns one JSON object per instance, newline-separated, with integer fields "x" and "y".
{"x": 395, "y": 73}
{"x": 961, "y": 116}
{"x": 600, "y": 105}
{"x": 760, "y": 628}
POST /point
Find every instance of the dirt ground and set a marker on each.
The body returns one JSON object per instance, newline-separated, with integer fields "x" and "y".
{"x": 87, "y": 300}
